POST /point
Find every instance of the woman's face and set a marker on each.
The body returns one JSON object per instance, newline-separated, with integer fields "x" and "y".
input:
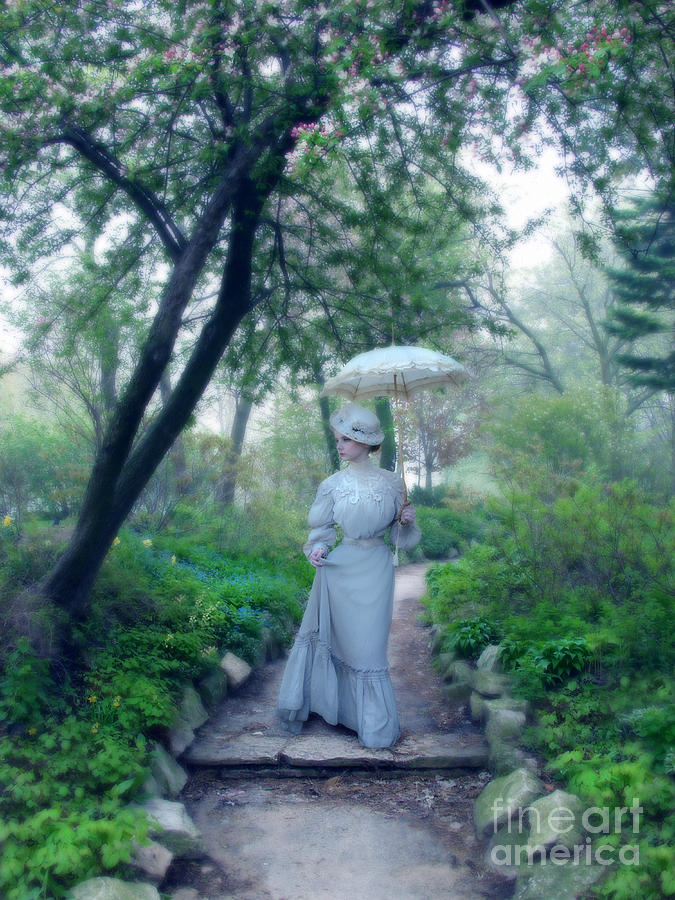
{"x": 351, "y": 451}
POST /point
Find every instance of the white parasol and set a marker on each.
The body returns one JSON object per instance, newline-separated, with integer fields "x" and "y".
{"x": 396, "y": 371}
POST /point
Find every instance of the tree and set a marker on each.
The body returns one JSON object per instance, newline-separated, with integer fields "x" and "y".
{"x": 645, "y": 290}
{"x": 440, "y": 428}
{"x": 168, "y": 130}
{"x": 600, "y": 75}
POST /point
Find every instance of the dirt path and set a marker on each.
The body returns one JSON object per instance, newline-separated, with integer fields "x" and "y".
{"x": 317, "y": 816}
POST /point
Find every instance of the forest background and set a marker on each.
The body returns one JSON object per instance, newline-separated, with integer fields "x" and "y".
{"x": 207, "y": 208}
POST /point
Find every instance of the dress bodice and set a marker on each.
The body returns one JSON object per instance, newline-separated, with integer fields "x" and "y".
{"x": 363, "y": 500}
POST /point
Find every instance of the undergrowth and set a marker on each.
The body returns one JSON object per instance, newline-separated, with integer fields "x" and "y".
{"x": 75, "y": 742}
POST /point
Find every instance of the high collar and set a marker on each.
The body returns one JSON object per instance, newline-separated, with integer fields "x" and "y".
{"x": 363, "y": 466}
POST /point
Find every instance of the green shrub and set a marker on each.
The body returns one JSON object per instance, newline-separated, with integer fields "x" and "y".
{"x": 445, "y": 531}
{"x": 73, "y": 749}
{"x": 64, "y": 812}
{"x": 469, "y": 637}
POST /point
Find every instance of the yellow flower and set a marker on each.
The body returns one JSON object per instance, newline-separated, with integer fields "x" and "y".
{"x": 115, "y": 541}
{"x": 116, "y": 701}
{"x": 7, "y": 521}
{"x": 94, "y": 729}
{"x": 32, "y": 731}
{"x": 92, "y": 698}
{"x": 147, "y": 542}
{"x": 173, "y": 560}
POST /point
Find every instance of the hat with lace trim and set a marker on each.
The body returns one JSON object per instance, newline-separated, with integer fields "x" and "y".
{"x": 358, "y": 423}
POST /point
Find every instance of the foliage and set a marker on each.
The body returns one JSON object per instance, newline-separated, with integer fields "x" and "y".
{"x": 564, "y": 435}
{"x": 41, "y": 469}
{"x": 471, "y": 636}
{"x": 74, "y": 742}
{"x": 645, "y": 289}
{"x": 445, "y": 530}
{"x": 68, "y": 779}
{"x": 590, "y": 740}
{"x": 576, "y": 576}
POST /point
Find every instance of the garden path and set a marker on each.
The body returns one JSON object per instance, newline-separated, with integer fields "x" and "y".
{"x": 318, "y": 816}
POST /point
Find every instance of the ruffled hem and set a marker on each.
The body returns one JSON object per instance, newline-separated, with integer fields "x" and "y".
{"x": 317, "y": 681}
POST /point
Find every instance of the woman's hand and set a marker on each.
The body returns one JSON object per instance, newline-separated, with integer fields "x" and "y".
{"x": 408, "y": 515}
{"x": 317, "y": 556}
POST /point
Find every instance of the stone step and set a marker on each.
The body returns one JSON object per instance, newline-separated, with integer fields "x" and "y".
{"x": 335, "y": 751}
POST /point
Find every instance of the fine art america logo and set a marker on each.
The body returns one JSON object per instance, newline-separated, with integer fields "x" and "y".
{"x": 570, "y": 846}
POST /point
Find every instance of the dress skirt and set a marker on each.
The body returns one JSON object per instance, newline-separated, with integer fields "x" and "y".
{"x": 338, "y": 665}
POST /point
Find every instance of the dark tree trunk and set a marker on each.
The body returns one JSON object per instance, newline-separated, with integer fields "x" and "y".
{"x": 388, "y": 450}
{"x": 179, "y": 474}
{"x": 120, "y": 473}
{"x": 228, "y": 485}
{"x": 324, "y": 407}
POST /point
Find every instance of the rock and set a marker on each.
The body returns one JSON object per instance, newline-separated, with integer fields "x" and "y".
{"x": 555, "y": 819}
{"x": 151, "y": 788}
{"x": 213, "y": 687}
{"x": 272, "y": 644}
{"x": 169, "y": 777}
{"x": 185, "y": 894}
{"x": 443, "y": 662}
{"x": 507, "y": 848}
{"x": 513, "y": 703}
{"x": 236, "y": 669}
{"x": 153, "y": 859}
{"x": 489, "y": 659}
{"x": 247, "y": 749}
{"x": 170, "y": 822}
{"x": 562, "y": 881}
{"x": 460, "y": 671}
{"x": 504, "y": 725}
{"x": 523, "y": 843}
{"x": 491, "y": 684}
{"x": 477, "y": 707}
{"x": 113, "y": 889}
{"x": 504, "y": 757}
{"x": 503, "y": 798}
{"x": 438, "y": 634}
{"x": 443, "y": 751}
{"x": 458, "y": 692}
{"x": 191, "y": 714}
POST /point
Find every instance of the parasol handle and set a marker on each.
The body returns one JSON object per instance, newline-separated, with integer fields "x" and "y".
{"x": 400, "y": 444}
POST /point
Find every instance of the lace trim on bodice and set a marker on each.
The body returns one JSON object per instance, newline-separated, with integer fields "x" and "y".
{"x": 361, "y": 484}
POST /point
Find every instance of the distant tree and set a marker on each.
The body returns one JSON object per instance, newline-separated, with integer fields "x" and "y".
{"x": 645, "y": 289}
{"x": 439, "y": 429}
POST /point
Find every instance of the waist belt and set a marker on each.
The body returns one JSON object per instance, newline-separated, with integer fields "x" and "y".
{"x": 363, "y": 542}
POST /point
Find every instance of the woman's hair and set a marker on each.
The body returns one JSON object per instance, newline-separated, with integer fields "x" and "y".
{"x": 374, "y": 449}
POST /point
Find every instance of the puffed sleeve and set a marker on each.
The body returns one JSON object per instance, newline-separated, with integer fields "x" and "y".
{"x": 320, "y": 520}
{"x": 405, "y": 537}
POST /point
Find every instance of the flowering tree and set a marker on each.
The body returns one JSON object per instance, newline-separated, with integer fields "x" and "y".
{"x": 192, "y": 143}
{"x": 183, "y": 138}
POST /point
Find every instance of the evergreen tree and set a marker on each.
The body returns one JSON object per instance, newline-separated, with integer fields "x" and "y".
{"x": 645, "y": 290}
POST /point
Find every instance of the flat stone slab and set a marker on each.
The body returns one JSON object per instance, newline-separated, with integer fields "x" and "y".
{"x": 331, "y": 751}
{"x": 440, "y": 751}
{"x": 246, "y": 749}
{"x": 338, "y": 751}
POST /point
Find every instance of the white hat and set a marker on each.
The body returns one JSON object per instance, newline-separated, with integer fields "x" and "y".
{"x": 358, "y": 423}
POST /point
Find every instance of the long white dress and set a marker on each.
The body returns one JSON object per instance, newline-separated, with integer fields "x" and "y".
{"x": 338, "y": 665}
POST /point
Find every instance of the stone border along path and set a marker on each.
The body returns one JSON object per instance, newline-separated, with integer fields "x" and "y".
{"x": 318, "y": 816}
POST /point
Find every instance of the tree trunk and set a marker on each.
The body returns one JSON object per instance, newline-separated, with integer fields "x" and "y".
{"x": 228, "y": 485}
{"x": 388, "y": 450}
{"x": 324, "y": 407}
{"x": 179, "y": 473}
{"x": 115, "y": 484}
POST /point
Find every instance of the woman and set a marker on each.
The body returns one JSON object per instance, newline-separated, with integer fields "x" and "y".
{"x": 338, "y": 665}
